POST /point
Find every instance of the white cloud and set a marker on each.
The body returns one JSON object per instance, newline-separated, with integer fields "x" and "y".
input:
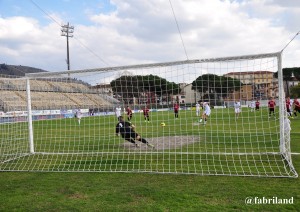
{"x": 141, "y": 31}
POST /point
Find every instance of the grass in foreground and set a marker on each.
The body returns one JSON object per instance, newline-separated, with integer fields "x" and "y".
{"x": 141, "y": 192}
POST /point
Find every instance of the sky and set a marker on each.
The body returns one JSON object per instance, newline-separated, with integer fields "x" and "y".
{"x": 128, "y": 32}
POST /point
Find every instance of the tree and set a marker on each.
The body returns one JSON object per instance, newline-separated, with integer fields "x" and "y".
{"x": 134, "y": 86}
{"x": 295, "y": 91}
{"x": 214, "y": 85}
{"x": 287, "y": 75}
{"x": 3, "y": 66}
{"x": 288, "y": 72}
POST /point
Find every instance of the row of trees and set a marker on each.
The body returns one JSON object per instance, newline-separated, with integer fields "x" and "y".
{"x": 129, "y": 87}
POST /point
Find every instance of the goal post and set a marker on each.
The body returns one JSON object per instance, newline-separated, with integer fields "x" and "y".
{"x": 29, "y": 116}
{"x": 203, "y": 117}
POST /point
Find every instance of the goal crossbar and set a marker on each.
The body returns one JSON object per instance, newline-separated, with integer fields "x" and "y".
{"x": 152, "y": 65}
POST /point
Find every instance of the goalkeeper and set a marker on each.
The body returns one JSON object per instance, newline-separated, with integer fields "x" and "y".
{"x": 126, "y": 130}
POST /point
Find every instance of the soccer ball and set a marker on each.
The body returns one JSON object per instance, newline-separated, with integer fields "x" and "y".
{"x": 162, "y": 124}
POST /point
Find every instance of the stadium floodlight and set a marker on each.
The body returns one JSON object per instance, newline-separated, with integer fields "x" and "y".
{"x": 39, "y": 131}
{"x": 67, "y": 31}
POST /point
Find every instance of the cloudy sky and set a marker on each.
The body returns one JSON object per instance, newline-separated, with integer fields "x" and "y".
{"x": 127, "y": 32}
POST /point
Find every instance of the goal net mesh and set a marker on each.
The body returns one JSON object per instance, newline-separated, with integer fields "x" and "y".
{"x": 66, "y": 121}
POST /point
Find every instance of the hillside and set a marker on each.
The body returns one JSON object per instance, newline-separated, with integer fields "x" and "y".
{"x": 17, "y": 70}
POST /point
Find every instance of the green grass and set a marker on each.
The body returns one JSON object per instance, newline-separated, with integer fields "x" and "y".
{"x": 93, "y": 146}
{"x": 102, "y": 191}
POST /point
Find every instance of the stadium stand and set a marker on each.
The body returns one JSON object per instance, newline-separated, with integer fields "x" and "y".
{"x": 50, "y": 94}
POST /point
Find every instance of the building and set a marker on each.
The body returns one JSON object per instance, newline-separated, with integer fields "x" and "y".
{"x": 260, "y": 84}
{"x": 245, "y": 93}
{"x": 187, "y": 95}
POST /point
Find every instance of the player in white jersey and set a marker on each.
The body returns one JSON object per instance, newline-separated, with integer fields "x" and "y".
{"x": 237, "y": 109}
{"x": 197, "y": 109}
{"x": 78, "y": 115}
{"x": 206, "y": 112}
{"x": 291, "y": 104}
{"x": 252, "y": 105}
{"x": 118, "y": 111}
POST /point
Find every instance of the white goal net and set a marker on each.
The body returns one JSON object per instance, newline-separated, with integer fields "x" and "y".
{"x": 204, "y": 117}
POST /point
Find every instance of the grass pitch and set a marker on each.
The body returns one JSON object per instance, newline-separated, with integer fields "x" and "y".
{"x": 247, "y": 146}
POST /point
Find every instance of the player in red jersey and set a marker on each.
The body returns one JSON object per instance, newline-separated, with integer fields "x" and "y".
{"x": 288, "y": 106}
{"x": 257, "y": 103}
{"x": 271, "y": 105}
{"x": 296, "y": 106}
{"x": 176, "y": 110}
{"x": 129, "y": 113}
{"x": 146, "y": 114}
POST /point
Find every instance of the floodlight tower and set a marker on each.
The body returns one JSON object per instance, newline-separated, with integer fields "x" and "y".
{"x": 67, "y": 31}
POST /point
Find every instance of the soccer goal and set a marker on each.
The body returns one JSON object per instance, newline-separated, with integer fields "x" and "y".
{"x": 203, "y": 117}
